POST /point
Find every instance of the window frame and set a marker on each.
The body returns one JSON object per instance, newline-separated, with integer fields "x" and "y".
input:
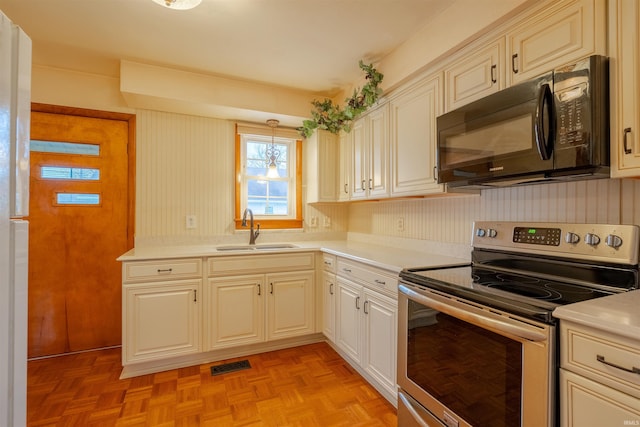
{"x": 266, "y": 223}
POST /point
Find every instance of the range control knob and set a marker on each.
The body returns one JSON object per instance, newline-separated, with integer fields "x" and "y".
{"x": 480, "y": 232}
{"x": 571, "y": 237}
{"x": 492, "y": 233}
{"x": 613, "y": 241}
{"x": 591, "y": 239}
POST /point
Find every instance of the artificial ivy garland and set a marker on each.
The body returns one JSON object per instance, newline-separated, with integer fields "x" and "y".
{"x": 332, "y": 118}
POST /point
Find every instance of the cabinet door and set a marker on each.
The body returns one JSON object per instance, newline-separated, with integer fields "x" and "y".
{"x": 235, "y": 311}
{"x": 586, "y": 403}
{"x": 161, "y": 319}
{"x": 413, "y": 138}
{"x": 377, "y": 153}
{"x": 625, "y": 88}
{"x": 321, "y": 157}
{"x": 556, "y": 36}
{"x": 348, "y": 305}
{"x": 329, "y": 305}
{"x": 358, "y": 159}
{"x": 290, "y": 306}
{"x": 475, "y": 76}
{"x": 380, "y": 330}
{"x": 344, "y": 182}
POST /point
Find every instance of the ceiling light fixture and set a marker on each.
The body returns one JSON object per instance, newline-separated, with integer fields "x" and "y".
{"x": 178, "y": 4}
{"x": 272, "y": 152}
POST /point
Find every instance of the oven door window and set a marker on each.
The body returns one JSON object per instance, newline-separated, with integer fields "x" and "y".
{"x": 476, "y": 373}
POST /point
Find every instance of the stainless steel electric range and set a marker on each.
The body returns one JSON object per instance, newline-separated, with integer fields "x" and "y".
{"x": 477, "y": 344}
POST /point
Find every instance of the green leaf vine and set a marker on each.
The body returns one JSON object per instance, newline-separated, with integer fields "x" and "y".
{"x": 329, "y": 116}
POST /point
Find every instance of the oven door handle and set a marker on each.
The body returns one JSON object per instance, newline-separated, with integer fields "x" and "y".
{"x": 466, "y": 313}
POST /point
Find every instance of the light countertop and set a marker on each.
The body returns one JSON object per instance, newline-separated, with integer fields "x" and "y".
{"x": 389, "y": 258}
{"x": 618, "y": 314}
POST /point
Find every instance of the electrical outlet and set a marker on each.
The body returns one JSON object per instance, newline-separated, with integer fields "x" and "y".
{"x": 190, "y": 221}
{"x": 313, "y": 221}
{"x": 326, "y": 222}
{"x": 400, "y": 224}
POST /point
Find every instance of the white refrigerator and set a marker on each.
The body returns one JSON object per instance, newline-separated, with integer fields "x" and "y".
{"x": 15, "y": 110}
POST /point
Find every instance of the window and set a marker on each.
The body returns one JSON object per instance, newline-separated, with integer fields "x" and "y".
{"x": 274, "y": 200}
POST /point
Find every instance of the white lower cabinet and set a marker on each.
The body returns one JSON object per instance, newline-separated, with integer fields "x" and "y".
{"x": 329, "y": 288}
{"x": 161, "y": 319}
{"x": 591, "y": 404}
{"x": 366, "y": 325}
{"x": 255, "y": 308}
{"x": 599, "y": 381}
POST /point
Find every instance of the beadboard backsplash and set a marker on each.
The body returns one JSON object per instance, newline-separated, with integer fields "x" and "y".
{"x": 185, "y": 166}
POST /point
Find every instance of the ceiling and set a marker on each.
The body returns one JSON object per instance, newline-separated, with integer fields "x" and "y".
{"x": 312, "y": 45}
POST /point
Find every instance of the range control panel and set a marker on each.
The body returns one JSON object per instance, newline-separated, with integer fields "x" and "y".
{"x": 598, "y": 242}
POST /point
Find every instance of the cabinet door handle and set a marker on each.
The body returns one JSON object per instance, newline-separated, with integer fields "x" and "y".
{"x": 627, "y": 150}
{"x": 494, "y": 79}
{"x": 331, "y": 288}
{"x": 166, "y": 270}
{"x": 259, "y": 290}
{"x": 362, "y": 185}
{"x": 195, "y": 295}
{"x": 346, "y": 191}
{"x": 370, "y": 183}
{"x": 271, "y": 288}
{"x": 365, "y": 307}
{"x": 514, "y": 61}
{"x": 357, "y": 303}
{"x": 633, "y": 369}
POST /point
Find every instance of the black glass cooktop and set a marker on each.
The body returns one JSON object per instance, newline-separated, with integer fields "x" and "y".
{"x": 521, "y": 294}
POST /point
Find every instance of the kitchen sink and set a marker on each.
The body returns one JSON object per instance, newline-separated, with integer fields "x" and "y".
{"x": 275, "y": 246}
{"x": 265, "y": 247}
{"x": 235, "y": 248}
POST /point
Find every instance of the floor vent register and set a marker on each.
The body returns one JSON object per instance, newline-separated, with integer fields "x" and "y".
{"x": 230, "y": 367}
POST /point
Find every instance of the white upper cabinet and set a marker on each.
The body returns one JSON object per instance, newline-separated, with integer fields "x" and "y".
{"x": 475, "y": 75}
{"x": 558, "y": 34}
{"x": 344, "y": 162}
{"x": 413, "y": 132}
{"x": 369, "y": 152}
{"x": 624, "y": 37}
{"x": 321, "y": 158}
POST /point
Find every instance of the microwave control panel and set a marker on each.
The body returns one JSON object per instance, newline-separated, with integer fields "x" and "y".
{"x": 571, "y": 105}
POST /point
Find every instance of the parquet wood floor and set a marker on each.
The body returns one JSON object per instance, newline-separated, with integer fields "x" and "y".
{"x": 306, "y": 386}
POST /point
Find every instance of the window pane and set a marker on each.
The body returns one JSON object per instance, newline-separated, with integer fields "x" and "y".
{"x": 268, "y": 197}
{"x": 64, "y": 147}
{"x": 258, "y": 159}
{"x": 77, "y": 199}
{"x": 83, "y": 174}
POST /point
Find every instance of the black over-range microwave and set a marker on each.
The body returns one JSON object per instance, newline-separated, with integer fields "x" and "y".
{"x": 552, "y": 128}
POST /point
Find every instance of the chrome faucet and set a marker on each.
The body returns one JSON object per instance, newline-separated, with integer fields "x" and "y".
{"x": 252, "y": 235}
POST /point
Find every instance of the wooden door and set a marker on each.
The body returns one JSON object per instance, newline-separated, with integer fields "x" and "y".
{"x": 79, "y": 224}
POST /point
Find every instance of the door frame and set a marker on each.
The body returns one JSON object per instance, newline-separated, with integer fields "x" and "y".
{"x": 131, "y": 151}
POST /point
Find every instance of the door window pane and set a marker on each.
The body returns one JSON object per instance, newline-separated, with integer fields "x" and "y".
{"x": 77, "y": 199}
{"x": 57, "y": 172}
{"x": 64, "y": 147}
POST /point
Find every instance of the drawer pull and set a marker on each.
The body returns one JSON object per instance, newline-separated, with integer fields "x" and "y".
{"x": 380, "y": 282}
{"x": 327, "y": 263}
{"x": 633, "y": 369}
{"x": 346, "y": 270}
{"x": 166, "y": 270}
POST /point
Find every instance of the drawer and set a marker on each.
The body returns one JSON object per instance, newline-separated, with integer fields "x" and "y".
{"x": 329, "y": 263}
{"x": 601, "y": 356}
{"x": 372, "y": 277}
{"x": 260, "y": 263}
{"x": 139, "y": 271}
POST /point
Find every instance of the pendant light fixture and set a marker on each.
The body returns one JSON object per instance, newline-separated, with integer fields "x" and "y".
{"x": 272, "y": 152}
{"x": 178, "y": 4}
